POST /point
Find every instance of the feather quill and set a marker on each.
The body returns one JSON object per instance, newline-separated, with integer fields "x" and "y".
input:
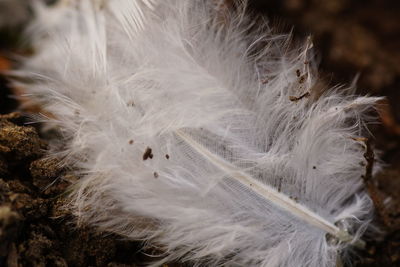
{"x": 203, "y": 137}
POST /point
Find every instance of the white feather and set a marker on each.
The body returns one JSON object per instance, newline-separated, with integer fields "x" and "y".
{"x": 181, "y": 142}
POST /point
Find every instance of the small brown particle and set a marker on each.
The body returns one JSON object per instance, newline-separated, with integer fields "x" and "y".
{"x": 280, "y": 184}
{"x": 314, "y": 167}
{"x": 167, "y": 156}
{"x": 298, "y": 73}
{"x": 155, "y": 175}
{"x": 297, "y": 98}
{"x": 303, "y": 78}
{"x": 130, "y": 142}
{"x": 148, "y": 154}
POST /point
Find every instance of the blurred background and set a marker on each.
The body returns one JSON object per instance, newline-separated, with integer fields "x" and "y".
{"x": 351, "y": 37}
{"x": 359, "y": 37}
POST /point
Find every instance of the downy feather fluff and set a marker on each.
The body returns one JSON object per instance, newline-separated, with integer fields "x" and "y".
{"x": 202, "y": 133}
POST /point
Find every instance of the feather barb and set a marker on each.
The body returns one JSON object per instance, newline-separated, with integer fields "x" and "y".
{"x": 271, "y": 194}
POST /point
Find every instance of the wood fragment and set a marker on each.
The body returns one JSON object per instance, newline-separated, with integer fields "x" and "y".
{"x": 372, "y": 190}
{"x": 297, "y": 98}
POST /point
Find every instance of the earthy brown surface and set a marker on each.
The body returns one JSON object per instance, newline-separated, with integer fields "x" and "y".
{"x": 359, "y": 36}
{"x": 34, "y": 229}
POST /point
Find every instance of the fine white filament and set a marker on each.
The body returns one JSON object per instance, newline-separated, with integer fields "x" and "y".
{"x": 202, "y": 132}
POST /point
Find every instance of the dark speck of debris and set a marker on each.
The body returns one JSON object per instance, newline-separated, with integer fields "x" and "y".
{"x": 303, "y": 78}
{"x": 295, "y": 98}
{"x": 167, "y": 156}
{"x": 148, "y": 154}
{"x": 314, "y": 167}
{"x": 155, "y": 175}
{"x": 130, "y": 142}
{"x": 298, "y": 73}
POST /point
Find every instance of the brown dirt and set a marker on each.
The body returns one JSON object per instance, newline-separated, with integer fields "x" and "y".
{"x": 34, "y": 229}
{"x": 358, "y": 36}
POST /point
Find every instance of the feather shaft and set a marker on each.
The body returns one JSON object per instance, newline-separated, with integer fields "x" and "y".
{"x": 176, "y": 126}
{"x": 271, "y": 194}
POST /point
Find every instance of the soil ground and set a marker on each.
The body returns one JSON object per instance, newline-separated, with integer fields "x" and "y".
{"x": 351, "y": 37}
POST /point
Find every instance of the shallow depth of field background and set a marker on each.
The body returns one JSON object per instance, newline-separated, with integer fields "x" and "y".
{"x": 350, "y": 37}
